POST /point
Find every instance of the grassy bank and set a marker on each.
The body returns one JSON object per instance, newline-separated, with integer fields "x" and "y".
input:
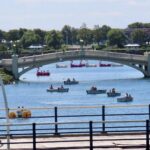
{"x": 6, "y": 76}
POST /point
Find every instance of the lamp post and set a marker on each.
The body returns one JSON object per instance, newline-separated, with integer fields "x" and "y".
{"x": 7, "y": 113}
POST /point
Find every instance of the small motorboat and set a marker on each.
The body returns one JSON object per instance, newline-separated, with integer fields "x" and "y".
{"x": 94, "y": 90}
{"x": 61, "y": 66}
{"x": 70, "y": 82}
{"x": 113, "y": 94}
{"x": 59, "y": 89}
{"x": 125, "y": 99}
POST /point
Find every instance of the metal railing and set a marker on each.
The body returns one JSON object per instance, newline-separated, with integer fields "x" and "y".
{"x": 90, "y": 140}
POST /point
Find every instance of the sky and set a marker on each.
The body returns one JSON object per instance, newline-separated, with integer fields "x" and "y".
{"x": 54, "y": 14}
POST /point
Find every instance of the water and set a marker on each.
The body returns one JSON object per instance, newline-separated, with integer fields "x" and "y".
{"x": 31, "y": 90}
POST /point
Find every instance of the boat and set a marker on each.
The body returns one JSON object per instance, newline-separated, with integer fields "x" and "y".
{"x": 59, "y": 89}
{"x": 43, "y": 73}
{"x": 70, "y": 82}
{"x": 125, "y": 99}
{"x": 61, "y": 66}
{"x": 94, "y": 90}
{"x": 90, "y": 65}
{"x": 104, "y": 65}
{"x": 116, "y": 65}
{"x": 113, "y": 94}
{"x": 77, "y": 65}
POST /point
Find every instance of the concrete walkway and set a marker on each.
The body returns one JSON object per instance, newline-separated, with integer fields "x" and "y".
{"x": 110, "y": 142}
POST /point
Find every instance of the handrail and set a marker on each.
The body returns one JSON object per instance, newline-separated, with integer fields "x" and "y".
{"x": 79, "y": 107}
{"x": 71, "y": 122}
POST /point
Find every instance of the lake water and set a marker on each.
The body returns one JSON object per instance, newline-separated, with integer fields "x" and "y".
{"x": 30, "y": 91}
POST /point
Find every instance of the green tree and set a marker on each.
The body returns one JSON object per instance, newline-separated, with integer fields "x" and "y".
{"x": 29, "y": 38}
{"x": 1, "y": 35}
{"x": 139, "y": 36}
{"x": 116, "y": 37}
{"x": 41, "y": 34}
{"x": 13, "y": 35}
{"x": 104, "y": 31}
{"x": 53, "y": 39}
{"x": 67, "y": 34}
{"x": 86, "y": 35}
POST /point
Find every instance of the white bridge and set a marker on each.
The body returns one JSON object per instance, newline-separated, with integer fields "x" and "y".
{"x": 139, "y": 62}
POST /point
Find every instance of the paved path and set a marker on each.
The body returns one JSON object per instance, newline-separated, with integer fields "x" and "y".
{"x": 106, "y": 142}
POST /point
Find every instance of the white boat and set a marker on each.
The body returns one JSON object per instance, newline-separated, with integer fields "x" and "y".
{"x": 116, "y": 65}
{"x": 90, "y": 65}
{"x": 125, "y": 99}
{"x": 61, "y": 66}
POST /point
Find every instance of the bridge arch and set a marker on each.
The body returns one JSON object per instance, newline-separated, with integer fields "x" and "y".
{"x": 138, "y": 62}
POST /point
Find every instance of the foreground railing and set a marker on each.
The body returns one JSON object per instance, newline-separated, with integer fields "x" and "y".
{"x": 86, "y": 113}
{"x": 91, "y": 139}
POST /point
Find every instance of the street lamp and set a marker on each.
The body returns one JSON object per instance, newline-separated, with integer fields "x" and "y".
{"x": 7, "y": 113}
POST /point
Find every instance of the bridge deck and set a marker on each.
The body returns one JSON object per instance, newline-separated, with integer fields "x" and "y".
{"x": 115, "y": 142}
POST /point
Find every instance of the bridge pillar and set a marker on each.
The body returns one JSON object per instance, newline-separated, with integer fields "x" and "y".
{"x": 15, "y": 66}
{"x": 148, "y": 65}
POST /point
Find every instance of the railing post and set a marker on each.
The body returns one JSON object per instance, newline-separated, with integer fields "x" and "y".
{"x": 103, "y": 119}
{"x": 147, "y": 134}
{"x": 56, "y": 120}
{"x": 91, "y": 134}
{"x": 34, "y": 135}
{"x": 149, "y": 110}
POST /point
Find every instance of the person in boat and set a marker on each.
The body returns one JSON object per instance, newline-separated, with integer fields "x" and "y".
{"x": 93, "y": 88}
{"x": 127, "y": 95}
{"x": 113, "y": 90}
{"x": 62, "y": 87}
{"x": 73, "y": 79}
{"x": 51, "y": 87}
{"x": 68, "y": 80}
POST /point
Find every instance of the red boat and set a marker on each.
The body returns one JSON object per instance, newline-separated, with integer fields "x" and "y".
{"x": 42, "y": 73}
{"x": 104, "y": 65}
{"x": 77, "y": 65}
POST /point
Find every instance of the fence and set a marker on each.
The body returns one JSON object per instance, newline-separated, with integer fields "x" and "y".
{"x": 84, "y": 129}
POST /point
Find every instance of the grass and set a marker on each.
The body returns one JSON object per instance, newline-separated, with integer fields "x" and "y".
{"x": 6, "y": 76}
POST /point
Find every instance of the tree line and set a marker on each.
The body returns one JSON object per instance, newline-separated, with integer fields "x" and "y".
{"x": 101, "y": 36}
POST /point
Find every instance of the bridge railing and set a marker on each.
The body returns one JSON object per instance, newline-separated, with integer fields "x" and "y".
{"x": 76, "y": 54}
{"x": 122, "y": 56}
{"x": 88, "y": 113}
{"x": 41, "y": 133}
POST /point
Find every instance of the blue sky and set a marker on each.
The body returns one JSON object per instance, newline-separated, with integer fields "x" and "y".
{"x": 54, "y": 14}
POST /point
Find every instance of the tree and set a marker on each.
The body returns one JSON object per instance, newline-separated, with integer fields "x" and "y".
{"x": 41, "y": 34}
{"x": 104, "y": 31}
{"x": 67, "y": 34}
{"x": 139, "y": 36}
{"x": 86, "y": 35}
{"x": 116, "y": 37}
{"x": 53, "y": 39}
{"x": 29, "y": 38}
{"x": 1, "y": 35}
{"x": 13, "y": 35}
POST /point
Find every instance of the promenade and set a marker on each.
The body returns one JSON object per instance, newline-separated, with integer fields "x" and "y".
{"x": 110, "y": 142}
